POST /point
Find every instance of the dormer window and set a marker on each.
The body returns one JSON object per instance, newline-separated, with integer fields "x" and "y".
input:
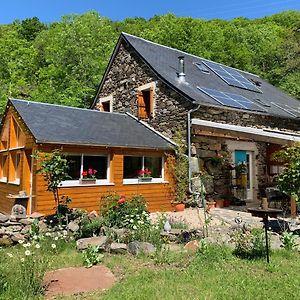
{"x": 146, "y": 101}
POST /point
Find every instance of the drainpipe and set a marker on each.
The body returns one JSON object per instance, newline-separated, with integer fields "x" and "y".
{"x": 189, "y": 125}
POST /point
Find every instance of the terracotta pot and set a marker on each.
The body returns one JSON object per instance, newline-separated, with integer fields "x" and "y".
{"x": 220, "y": 203}
{"x": 210, "y": 205}
{"x": 227, "y": 202}
{"x": 179, "y": 207}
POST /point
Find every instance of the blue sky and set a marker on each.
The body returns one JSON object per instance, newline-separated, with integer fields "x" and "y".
{"x": 52, "y": 10}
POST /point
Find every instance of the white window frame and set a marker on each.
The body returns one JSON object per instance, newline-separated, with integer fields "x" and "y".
{"x": 107, "y": 99}
{"x": 154, "y": 180}
{"x": 76, "y": 182}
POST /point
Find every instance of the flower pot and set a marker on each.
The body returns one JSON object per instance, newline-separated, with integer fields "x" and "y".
{"x": 227, "y": 202}
{"x": 220, "y": 203}
{"x": 179, "y": 207}
{"x": 210, "y": 205}
{"x": 87, "y": 181}
{"x": 145, "y": 179}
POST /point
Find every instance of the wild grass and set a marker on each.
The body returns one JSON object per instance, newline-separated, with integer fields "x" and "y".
{"x": 212, "y": 273}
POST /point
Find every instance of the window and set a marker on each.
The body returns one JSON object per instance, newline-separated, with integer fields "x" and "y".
{"x": 3, "y": 167}
{"x": 133, "y": 164}
{"x": 81, "y": 162}
{"x": 17, "y": 138}
{"x": 15, "y": 167}
{"x": 146, "y": 101}
{"x": 4, "y": 136}
{"x": 105, "y": 104}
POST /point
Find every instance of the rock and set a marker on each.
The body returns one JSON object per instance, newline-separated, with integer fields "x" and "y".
{"x": 120, "y": 232}
{"x": 100, "y": 241}
{"x": 42, "y": 227}
{"x": 118, "y": 248}
{"x": 3, "y": 218}
{"x": 191, "y": 245}
{"x": 26, "y": 221}
{"x": 36, "y": 215}
{"x": 5, "y": 241}
{"x": 17, "y": 237}
{"x": 10, "y": 223}
{"x": 93, "y": 214}
{"x": 13, "y": 218}
{"x": 26, "y": 229}
{"x": 2, "y": 230}
{"x": 173, "y": 247}
{"x": 14, "y": 228}
{"x": 73, "y": 226}
{"x": 140, "y": 247}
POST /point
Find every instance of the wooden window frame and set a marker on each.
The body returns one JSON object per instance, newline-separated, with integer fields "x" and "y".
{"x": 141, "y": 106}
{"x": 4, "y": 165}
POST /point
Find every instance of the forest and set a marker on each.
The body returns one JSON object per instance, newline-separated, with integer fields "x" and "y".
{"x": 63, "y": 62}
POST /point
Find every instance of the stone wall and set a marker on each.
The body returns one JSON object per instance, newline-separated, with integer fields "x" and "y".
{"x": 126, "y": 75}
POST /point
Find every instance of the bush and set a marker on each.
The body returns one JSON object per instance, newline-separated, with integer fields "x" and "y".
{"x": 288, "y": 240}
{"x": 121, "y": 213}
{"x": 92, "y": 256}
{"x": 249, "y": 244}
{"x": 90, "y": 227}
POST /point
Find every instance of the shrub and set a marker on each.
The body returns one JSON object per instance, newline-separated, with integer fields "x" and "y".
{"x": 90, "y": 227}
{"x": 288, "y": 240}
{"x": 92, "y": 256}
{"x": 249, "y": 244}
{"x": 121, "y": 213}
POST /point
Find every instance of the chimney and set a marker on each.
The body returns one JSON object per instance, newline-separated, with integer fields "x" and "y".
{"x": 181, "y": 74}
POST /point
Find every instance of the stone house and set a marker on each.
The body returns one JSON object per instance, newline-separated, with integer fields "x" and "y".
{"x": 229, "y": 117}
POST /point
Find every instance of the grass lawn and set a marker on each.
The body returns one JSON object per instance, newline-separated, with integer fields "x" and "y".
{"x": 214, "y": 274}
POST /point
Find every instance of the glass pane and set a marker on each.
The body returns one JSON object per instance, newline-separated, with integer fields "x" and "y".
{"x": 74, "y": 166}
{"x": 132, "y": 165}
{"x": 98, "y": 164}
{"x": 154, "y": 164}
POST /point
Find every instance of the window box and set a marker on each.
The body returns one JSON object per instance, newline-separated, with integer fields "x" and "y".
{"x": 87, "y": 181}
{"x": 145, "y": 179}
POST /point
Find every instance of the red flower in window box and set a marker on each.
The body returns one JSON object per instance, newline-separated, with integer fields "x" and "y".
{"x": 122, "y": 200}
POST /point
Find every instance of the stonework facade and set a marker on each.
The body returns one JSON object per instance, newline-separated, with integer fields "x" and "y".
{"x": 128, "y": 73}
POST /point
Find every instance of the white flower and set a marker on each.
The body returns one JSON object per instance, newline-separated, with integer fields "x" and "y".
{"x": 134, "y": 227}
{"x": 37, "y": 246}
{"x": 22, "y": 259}
{"x": 27, "y": 252}
{"x": 53, "y": 246}
{"x": 26, "y": 245}
{"x": 10, "y": 255}
{"x": 51, "y": 221}
{"x": 131, "y": 221}
{"x": 20, "y": 241}
{"x": 47, "y": 234}
{"x": 56, "y": 238}
{"x": 35, "y": 237}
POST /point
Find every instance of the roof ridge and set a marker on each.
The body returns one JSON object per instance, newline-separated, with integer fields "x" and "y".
{"x": 193, "y": 55}
{"x": 65, "y": 106}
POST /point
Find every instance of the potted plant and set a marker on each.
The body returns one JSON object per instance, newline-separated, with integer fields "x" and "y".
{"x": 88, "y": 177}
{"x": 219, "y": 203}
{"x": 145, "y": 175}
{"x": 210, "y": 205}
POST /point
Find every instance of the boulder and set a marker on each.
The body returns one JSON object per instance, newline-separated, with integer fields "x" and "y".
{"x": 5, "y": 241}
{"x": 42, "y": 227}
{"x": 192, "y": 245}
{"x": 27, "y": 221}
{"x": 84, "y": 243}
{"x": 73, "y": 226}
{"x": 118, "y": 248}
{"x": 3, "y": 218}
{"x": 15, "y": 237}
{"x": 36, "y": 215}
{"x": 140, "y": 247}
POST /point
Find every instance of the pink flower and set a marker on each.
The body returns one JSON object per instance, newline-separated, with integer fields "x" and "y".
{"x": 84, "y": 173}
{"x": 90, "y": 172}
{"x": 122, "y": 196}
{"x": 94, "y": 172}
{"x": 122, "y": 200}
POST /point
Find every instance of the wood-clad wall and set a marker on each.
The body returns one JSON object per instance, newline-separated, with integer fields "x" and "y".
{"x": 157, "y": 195}
{"x": 24, "y": 146}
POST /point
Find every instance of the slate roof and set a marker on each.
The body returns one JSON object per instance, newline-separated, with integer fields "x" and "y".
{"x": 164, "y": 62}
{"x": 51, "y": 123}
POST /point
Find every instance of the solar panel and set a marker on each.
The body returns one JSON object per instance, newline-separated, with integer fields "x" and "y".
{"x": 293, "y": 111}
{"x": 231, "y": 77}
{"x": 202, "y": 68}
{"x": 231, "y": 100}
